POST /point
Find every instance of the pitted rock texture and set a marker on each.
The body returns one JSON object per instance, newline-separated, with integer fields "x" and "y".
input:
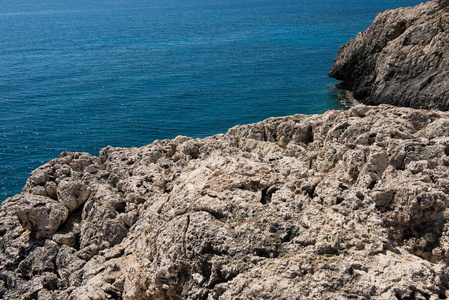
{"x": 345, "y": 205}
{"x": 401, "y": 59}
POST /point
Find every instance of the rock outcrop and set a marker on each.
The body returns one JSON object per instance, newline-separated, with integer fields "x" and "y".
{"x": 401, "y": 59}
{"x": 345, "y": 205}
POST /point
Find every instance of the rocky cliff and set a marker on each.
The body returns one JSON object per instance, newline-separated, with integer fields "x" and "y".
{"x": 402, "y": 59}
{"x": 345, "y": 205}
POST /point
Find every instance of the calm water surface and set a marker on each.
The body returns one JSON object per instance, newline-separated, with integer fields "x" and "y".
{"x": 81, "y": 75}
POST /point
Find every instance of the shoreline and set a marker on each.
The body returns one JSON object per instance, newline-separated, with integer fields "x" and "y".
{"x": 281, "y": 194}
{"x": 292, "y": 207}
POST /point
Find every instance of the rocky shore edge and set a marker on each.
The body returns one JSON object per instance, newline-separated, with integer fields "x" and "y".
{"x": 345, "y": 205}
{"x": 401, "y": 59}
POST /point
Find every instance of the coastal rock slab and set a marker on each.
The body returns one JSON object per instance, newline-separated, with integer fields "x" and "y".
{"x": 345, "y": 205}
{"x": 401, "y": 59}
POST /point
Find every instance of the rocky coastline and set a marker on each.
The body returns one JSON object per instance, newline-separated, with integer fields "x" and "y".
{"x": 349, "y": 204}
{"x": 401, "y": 59}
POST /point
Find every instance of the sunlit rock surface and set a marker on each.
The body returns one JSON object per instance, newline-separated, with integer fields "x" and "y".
{"x": 345, "y": 205}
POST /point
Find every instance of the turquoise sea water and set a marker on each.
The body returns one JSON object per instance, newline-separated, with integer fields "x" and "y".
{"x": 81, "y": 75}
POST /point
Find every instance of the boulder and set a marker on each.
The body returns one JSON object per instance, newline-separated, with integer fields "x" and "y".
{"x": 41, "y": 215}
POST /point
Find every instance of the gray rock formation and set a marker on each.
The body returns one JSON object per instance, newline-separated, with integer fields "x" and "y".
{"x": 345, "y": 205}
{"x": 401, "y": 59}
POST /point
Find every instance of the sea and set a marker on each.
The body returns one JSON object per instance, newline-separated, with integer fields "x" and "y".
{"x": 81, "y": 75}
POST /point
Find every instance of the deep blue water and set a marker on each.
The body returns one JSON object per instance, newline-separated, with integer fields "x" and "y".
{"x": 81, "y": 75}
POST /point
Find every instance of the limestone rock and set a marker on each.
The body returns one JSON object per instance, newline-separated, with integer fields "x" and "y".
{"x": 401, "y": 59}
{"x": 72, "y": 193}
{"x": 348, "y": 204}
{"x": 41, "y": 215}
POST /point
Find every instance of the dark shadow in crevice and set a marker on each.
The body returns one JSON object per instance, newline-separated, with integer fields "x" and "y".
{"x": 267, "y": 194}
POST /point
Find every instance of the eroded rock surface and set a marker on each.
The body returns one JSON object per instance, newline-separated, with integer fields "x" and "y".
{"x": 344, "y": 205}
{"x": 401, "y": 59}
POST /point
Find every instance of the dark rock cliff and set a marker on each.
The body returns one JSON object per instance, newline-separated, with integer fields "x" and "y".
{"x": 401, "y": 59}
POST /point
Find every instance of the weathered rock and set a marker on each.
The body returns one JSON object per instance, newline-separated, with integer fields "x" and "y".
{"x": 401, "y": 59}
{"x": 342, "y": 205}
{"x": 72, "y": 193}
{"x": 40, "y": 260}
{"x": 41, "y": 215}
